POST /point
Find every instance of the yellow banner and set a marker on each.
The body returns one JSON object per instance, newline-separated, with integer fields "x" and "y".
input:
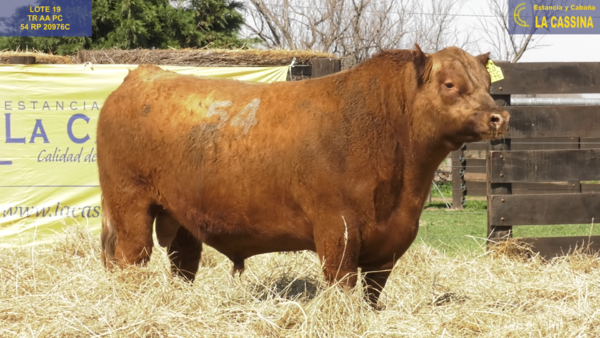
{"x": 48, "y": 170}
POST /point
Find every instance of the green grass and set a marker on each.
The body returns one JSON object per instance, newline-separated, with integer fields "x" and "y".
{"x": 445, "y": 188}
{"x": 464, "y": 231}
{"x": 454, "y": 231}
{"x": 559, "y": 230}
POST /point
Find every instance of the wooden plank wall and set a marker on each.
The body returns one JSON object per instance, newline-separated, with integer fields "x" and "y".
{"x": 325, "y": 66}
{"x": 22, "y": 60}
{"x": 534, "y": 175}
{"x": 540, "y": 128}
{"x": 547, "y": 78}
{"x": 318, "y": 67}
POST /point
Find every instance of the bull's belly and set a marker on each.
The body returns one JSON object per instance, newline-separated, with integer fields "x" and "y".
{"x": 239, "y": 226}
{"x": 244, "y": 246}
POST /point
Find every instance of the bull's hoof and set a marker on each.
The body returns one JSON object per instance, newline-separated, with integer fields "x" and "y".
{"x": 238, "y": 267}
{"x": 187, "y": 276}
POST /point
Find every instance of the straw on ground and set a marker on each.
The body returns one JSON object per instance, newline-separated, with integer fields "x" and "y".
{"x": 62, "y": 290}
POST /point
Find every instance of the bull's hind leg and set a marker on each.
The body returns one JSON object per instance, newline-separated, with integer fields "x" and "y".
{"x": 184, "y": 248}
{"x": 126, "y": 228}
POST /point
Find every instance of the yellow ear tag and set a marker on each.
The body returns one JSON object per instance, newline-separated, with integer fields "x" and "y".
{"x": 495, "y": 71}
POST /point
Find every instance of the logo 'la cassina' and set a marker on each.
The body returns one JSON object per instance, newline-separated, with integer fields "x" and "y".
{"x": 517, "y": 17}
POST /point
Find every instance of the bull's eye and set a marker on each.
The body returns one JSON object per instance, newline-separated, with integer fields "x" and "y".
{"x": 449, "y": 85}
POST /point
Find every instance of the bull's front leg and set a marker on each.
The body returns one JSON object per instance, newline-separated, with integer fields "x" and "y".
{"x": 376, "y": 276}
{"x": 377, "y": 270}
{"x": 338, "y": 246}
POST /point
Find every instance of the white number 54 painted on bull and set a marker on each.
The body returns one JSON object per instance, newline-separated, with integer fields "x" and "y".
{"x": 245, "y": 118}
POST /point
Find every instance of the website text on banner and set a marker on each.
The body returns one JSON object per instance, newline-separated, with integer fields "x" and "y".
{"x": 48, "y": 170}
{"x": 554, "y": 16}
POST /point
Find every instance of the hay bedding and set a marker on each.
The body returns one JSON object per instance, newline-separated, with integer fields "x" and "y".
{"x": 62, "y": 290}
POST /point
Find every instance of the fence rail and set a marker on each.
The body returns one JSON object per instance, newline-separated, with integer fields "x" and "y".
{"x": 548, "y": 78}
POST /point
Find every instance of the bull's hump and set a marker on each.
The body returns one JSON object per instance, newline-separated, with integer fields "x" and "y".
{"x": 146, "y": 72}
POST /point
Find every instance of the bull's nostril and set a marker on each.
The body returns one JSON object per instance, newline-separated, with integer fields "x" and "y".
{"x": 495, "y": 119}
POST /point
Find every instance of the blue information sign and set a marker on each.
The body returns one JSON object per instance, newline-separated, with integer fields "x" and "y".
{"x": 554, "y": 16}
{"x": 45, "y": 18}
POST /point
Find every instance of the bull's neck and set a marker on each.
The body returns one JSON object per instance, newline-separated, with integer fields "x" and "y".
{"x": 391, "y": 97}
{"x": 427, "y": 142}
{"x": 425, "y": 150}
{"x": 427, "y": 145}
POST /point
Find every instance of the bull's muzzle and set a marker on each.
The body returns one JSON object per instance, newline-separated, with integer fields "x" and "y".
{"x": 492, "y": 124}
{"x": 498, "y": 122}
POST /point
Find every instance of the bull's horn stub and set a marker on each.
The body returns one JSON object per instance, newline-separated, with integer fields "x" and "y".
{"x": 495, "y": 71}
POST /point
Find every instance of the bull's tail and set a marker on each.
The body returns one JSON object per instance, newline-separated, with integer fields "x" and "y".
{"x": 108, "y": 237}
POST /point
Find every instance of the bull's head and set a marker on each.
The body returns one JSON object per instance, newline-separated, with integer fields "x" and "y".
{"x": 454, "y": 92}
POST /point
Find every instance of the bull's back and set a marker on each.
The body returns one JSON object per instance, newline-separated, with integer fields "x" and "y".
{"x": 179, "y": 118}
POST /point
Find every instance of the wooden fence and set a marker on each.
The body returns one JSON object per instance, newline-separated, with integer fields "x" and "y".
{"x": 537, "y": 174}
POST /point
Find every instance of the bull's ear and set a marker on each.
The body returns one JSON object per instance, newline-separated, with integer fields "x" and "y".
{"x": 420, "y": 61}
{"x": 483, "y": 58}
